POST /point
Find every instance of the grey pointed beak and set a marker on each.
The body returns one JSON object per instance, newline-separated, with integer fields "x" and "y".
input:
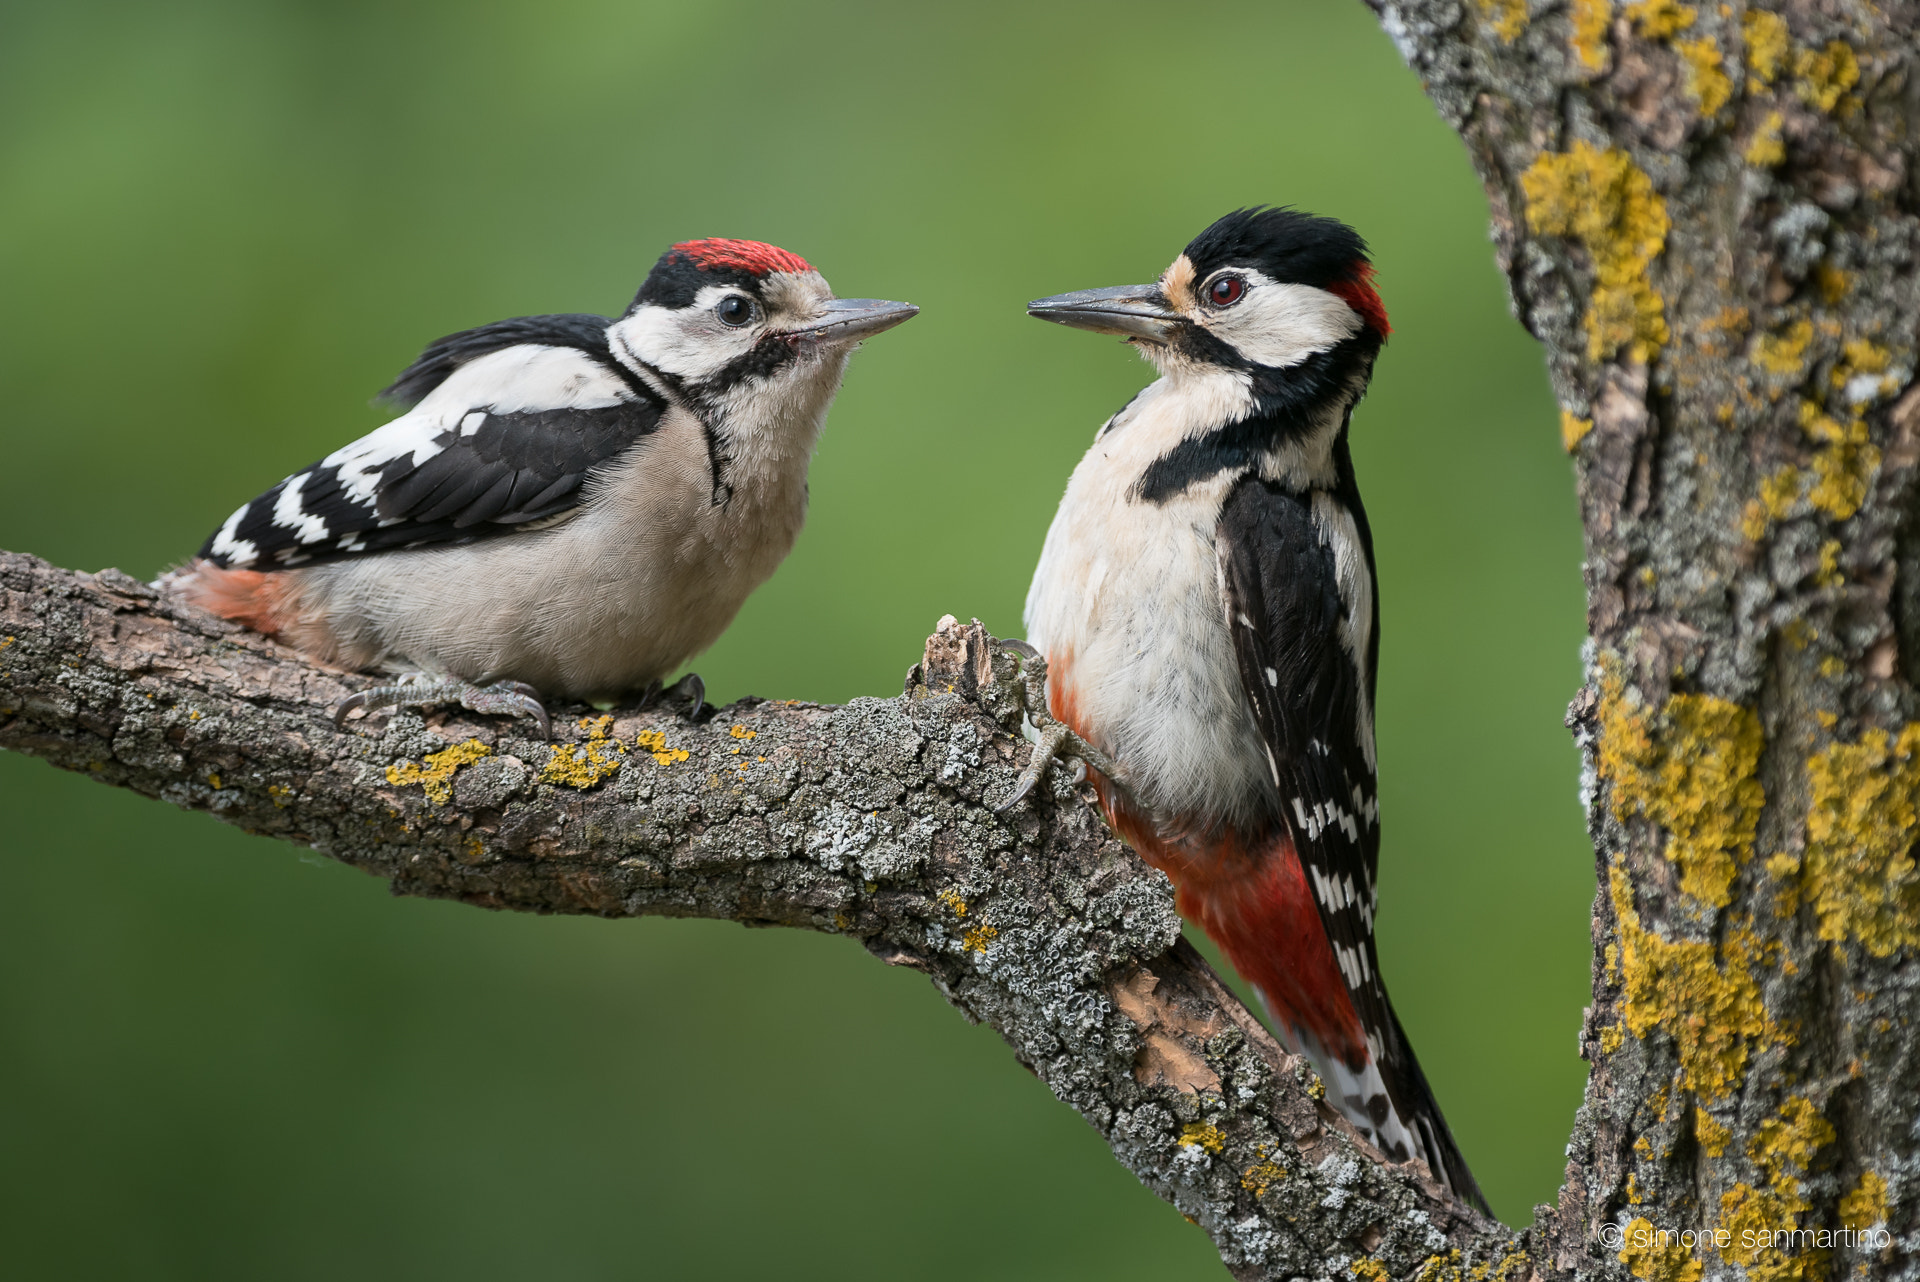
{"x": 1137, "y": 311}
{"x": 850, "y": 318}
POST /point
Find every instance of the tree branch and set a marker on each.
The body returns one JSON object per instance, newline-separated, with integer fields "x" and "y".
{"x": 867, "y": 820}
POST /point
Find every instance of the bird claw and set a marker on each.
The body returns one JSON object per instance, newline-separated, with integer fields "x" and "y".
{"x": 502, "y": 698}
{"x": 690, "y": 684}
{"x": 1056, "y": 740}
{"x": 693, "y": 686}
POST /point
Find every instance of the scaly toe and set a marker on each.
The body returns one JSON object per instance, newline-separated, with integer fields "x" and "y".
{"x": 509, "y": 699}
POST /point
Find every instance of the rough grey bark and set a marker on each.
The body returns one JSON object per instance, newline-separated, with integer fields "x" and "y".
{"x": 1707, "y": 216}
{"x": 869, "y": 820}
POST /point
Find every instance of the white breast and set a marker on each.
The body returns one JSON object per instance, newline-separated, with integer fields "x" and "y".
{"x": 1127, "y": 605}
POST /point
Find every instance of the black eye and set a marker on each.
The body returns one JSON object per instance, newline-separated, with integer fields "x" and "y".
{"x": 1226, "y": 291}
{"x": 734, "y": 310}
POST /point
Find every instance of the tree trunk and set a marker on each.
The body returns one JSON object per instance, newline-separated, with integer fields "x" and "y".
{"x": 1706, "y": 214}
{"x": 1707, "y": 217}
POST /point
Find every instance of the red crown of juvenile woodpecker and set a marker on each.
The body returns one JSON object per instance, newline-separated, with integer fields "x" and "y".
{"x": 750, "y": 256}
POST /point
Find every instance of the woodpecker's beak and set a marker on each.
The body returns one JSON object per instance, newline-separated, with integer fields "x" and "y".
{"x": 1137, "y": 311}
{"x": 850, "y": 318}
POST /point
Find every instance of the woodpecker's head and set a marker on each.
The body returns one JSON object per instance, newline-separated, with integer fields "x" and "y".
{"x": 733, "y": 324}
{"x": 1260, "y": 290}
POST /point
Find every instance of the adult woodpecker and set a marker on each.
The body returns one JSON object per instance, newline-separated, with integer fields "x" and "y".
{"x": 1206, "y": 604}
{"x": 571, "y": 505}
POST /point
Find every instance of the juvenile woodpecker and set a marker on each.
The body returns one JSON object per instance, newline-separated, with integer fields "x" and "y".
{"x": 1206, "y": 604}
{"x": 571, "y": 505}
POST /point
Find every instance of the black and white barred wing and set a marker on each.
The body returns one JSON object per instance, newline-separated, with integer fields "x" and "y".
{"x": 1297, "y": 577}
{"x": 1298, "y": 623}
{"x": 505, "y": 432}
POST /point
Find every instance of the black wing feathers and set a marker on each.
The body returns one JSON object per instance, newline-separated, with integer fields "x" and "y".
{"x": 459, "y": 476}
{"x": 515, "y": 467}
{"x": 1286, "y": 616}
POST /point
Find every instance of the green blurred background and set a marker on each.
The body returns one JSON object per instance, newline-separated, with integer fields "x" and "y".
{"x": 224, "y": 225}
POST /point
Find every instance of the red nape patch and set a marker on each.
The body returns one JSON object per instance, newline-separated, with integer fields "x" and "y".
{"x": 745, "y": 255}
{"x": 1358, "y": 293}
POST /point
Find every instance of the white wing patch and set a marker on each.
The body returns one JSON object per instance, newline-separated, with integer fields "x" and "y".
{"x": 288, "y": 514}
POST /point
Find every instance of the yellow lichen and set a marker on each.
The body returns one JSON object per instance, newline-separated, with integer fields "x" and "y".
{"x": 1203, "y": 1135}
{"x": 951, "y": 898}
{"x": 1712, "y": 1010}
{"x": 741, "y": 732}
{"x": 1778, "y": 494}
{"x": 1821, "y": 428}
{"x": 435, "y": 771}
{"x": 1784, "y": 1145}
{"x": 1658, "y": 19}
{"x": 1514, "y": 1264}
{"x": 1858, "y": 868}
{"x": 1760, "y": 1224}
{"x": 1752, "y": 1222}
{"x": 1867, "y": 356}
{"x": 1262, "y": 1175}
{"x": 1441, "y": 1268}
{"x": 1766, "y": 37}
{"x": 1656, "y": 1256}
{"x": 1825, "y": 77}
{"x": 1603, "y": 200}
{"x": 1834, "y": 283}
{"x": 1706, "y": 81}
{"x": 1508, "y": 18}
{"x": 1692, "y": 770}
{"x": 1591, "y": 18}
{"x": 1612, "y": 1038}
{"x": 588, "y": 764}
{"x": 1829, "y": 575}
{"x": 1786, "y": 352}
{"x": 1713, "y": 1137}
{"x": 1573, "y": 430}
{"x": 977, "y": 939}
{"x": 1841, "y": 474}
{"x": 655, "y": 742}
{"x": 1865, "y": 1205}
{"x": 1767, "y": 148}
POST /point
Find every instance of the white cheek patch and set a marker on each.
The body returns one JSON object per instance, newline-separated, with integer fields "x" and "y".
{"x": 690, "y": 341}
{"x": 1278, "y": 325}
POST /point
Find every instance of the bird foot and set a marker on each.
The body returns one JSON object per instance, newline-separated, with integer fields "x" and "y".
{"x": 502, "y": 698}
{"x": 690, "y": 685}
{"x": 1056, "y": 740}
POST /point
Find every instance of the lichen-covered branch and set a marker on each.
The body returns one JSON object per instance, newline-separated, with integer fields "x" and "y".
{"x": 1708, "y": 214}
{"x": 869, "y": 820}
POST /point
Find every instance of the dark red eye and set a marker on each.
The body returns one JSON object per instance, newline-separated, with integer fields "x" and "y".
{"x": 1226, "y": 291}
